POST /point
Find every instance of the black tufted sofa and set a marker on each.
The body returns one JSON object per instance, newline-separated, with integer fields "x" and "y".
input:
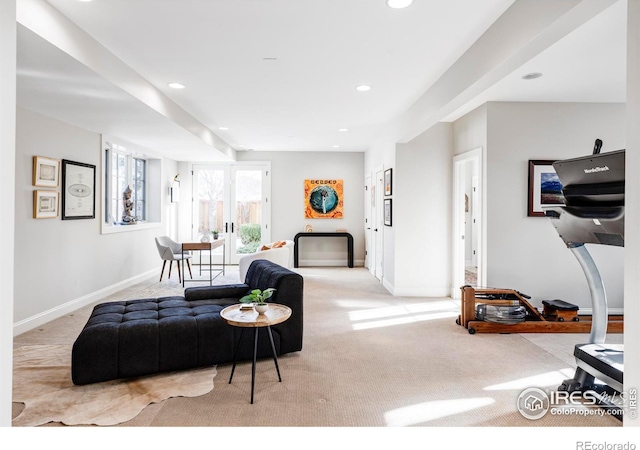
{"x": 141, "y": 337}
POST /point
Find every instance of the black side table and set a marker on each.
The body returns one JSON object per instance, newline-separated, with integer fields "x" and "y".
{"x": 324, "y": 234}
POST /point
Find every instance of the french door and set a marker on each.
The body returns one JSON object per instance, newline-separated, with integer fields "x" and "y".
{"x": 232, "y": 199}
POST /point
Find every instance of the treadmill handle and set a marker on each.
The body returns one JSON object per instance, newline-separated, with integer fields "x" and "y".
{"x": 597, "y": 146}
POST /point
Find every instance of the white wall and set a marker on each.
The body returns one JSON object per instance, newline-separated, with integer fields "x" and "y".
{"x": 526, "y": 253}
{"x": 422, "y": 213}
{"x": 470, "y": 131}
{"x": 289, "y": 170}
{"x": 62, "y": 264}
{"x": 7, "y": 187}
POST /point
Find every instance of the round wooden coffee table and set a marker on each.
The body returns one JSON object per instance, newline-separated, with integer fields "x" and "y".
{"x": 237, "y": 317}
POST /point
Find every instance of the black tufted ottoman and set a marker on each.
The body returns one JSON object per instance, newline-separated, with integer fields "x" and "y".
{"x": 141, "y": 337}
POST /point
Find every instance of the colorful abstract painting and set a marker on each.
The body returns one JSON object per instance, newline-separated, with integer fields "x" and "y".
{"x": 323, "y": 199}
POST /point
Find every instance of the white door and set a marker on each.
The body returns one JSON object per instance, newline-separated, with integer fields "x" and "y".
{"x": 474, "y": 219}
{"x": 378, "y": 225}
{"x": 234, "y": 200}
{"x": 367, "y": 223}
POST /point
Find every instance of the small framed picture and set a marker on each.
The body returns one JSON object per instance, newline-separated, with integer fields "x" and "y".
{"x": 545, "y": 188}
{"x": 46, "y": 204}
{"x": 387, "y": 212}
{"x": 46, "y": 172}
{"x": 388, "y": 181}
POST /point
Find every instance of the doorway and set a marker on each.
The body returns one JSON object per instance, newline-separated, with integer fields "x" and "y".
{"x": 232, "y": 199}
{"x": 468, "y": 245}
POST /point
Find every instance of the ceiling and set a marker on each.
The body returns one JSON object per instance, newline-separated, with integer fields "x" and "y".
{"x": 282, "y": 74}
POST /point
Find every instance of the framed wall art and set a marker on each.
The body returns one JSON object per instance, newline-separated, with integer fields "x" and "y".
{"x": 46, "y": 204}
{"x": 387, "y": 212}
{"x": 545, "y": 188}
{"x": 46, "y": 172}
{"x": 388, "y": 180}
{"x": 78, "y": 190}
{"x": 323, "y": 199}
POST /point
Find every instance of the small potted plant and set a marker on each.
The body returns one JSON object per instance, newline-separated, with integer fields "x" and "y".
{"x": 215, "y": 234}
{"x": 258, "y": 298}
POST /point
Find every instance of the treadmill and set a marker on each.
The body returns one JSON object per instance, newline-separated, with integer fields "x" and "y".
{"x": 593, "y": 213}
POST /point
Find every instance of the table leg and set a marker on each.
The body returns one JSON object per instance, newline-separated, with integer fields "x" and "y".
{"x": 275, "y": 356}
{"x": 253, "y": 367}
{"x": 235, "y": 355}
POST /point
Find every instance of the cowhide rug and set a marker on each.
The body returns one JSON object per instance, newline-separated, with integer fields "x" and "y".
{"x": 42, "y": 382}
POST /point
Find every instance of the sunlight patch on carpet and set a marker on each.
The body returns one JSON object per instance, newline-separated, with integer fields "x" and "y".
{"x": 365, "y": 319}
{"x": 548, "y": 379}
{"x": 404, "y": 320}
{"x": 42, "y": 382}
{"x": 377, "y": 313}
{"x": 428, "y": 411}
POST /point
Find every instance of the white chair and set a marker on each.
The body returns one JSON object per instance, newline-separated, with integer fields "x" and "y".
{"x": 171, "y": 251}
{"x": 282, "y": 256}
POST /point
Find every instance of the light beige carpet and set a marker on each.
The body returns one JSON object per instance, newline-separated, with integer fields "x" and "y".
{"x": 369, "y": 359}
{"x": 42, "y": 382}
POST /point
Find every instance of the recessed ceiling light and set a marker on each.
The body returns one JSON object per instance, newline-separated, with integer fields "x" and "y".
{"x": 223, "y": 128}
{"x": 336, "y": 146}
{"x": 85, "y": 1}
{"x": 398, "y": 4}
{"x": 175, "y": 85}
{"x": 363, "y": 87}
{"x": 531, "y": 76}
{"x": 343, "y": 129}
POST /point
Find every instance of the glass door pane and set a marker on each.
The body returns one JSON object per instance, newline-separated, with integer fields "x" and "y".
{"x": 248, "y": 212}
{"x": 210, "y": 200}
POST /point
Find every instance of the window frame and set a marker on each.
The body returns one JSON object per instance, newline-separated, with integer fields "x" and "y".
{"x": 139, "y": 206}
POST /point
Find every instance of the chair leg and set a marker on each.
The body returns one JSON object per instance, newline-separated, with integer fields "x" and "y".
{"x": 164, "y": 263}
{"x": 170, "y": 266}
{"x": 179, "y": 277}
{"x": 189, "y": 266}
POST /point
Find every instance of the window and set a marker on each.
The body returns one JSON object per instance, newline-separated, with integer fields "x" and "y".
{"x": 123, "y": 170}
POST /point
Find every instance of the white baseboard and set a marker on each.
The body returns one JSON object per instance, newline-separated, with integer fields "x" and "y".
{"x": 388, "y": 286}
{"x": 328, "y": 263}
{"x": 414, "y": 292}
{"x": 59, "y": 311}
{"x": 419, "y": 292}
{"x": 612, "y": 311}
